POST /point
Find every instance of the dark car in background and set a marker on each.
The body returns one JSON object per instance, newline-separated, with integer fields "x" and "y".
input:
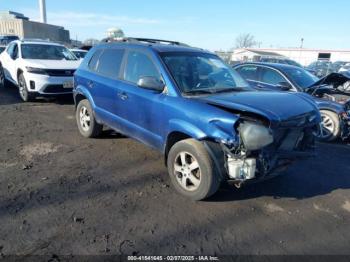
{"x": 330, "y": 98}
{"x": 2, "y": 48}
{"x": 6, "y": 39}
{"x": 279, "y": 61}
{"x": 187, "y": 103}
{"x": 79, "y": 53}
{"x": 321, "y": 68}
{"x": 338, "y": 65}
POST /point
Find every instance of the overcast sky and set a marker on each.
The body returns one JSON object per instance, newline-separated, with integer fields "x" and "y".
{"x": 210, "y": 24}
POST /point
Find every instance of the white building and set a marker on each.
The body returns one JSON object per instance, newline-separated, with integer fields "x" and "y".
{"x": 301, "y": 55}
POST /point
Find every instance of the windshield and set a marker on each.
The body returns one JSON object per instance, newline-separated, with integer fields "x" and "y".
{"x": 203, "y": 73}
{"x": 301, "y": 77}
{"x": 46, "y": 52}
{"x": 79, "y": 54}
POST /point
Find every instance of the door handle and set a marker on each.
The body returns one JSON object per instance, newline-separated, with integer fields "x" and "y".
{"x": 123, "y": 96}
{"x": 90, "y": 84}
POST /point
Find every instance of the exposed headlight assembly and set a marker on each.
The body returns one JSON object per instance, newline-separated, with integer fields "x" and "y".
{"x": 34, "y": 70}
{"x": 254, "y": 136}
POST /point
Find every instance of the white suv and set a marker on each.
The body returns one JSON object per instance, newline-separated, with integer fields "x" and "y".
{"x": 38, "y": 68}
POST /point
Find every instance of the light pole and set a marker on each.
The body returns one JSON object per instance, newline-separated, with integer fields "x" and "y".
{"x": 302, "y": 43}
{"x": 42, "y": 6}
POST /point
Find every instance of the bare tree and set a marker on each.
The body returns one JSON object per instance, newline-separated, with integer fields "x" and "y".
{"x": 245, "y": 41}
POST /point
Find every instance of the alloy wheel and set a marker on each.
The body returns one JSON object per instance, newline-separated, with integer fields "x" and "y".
{"x": 187, "y": 171}
{"x": 328, "y": 126}
{"x": 85, "y": 119}
{"x": 22, "y": 88}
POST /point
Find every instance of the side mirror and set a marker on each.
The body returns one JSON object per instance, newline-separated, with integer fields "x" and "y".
{"x": 151, "y": 83}
{"x": 284, "y": 86}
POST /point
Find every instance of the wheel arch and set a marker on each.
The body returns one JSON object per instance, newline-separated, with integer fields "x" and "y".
{"x": 78, "y": 97}
{"x": 82, "y": 93}
{"x": 332, "y": 110}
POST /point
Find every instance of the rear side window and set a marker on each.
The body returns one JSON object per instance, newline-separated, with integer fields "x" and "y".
{"x": 139, "y": 65}
{"x": 248, "y": 72}
{"x": 94, "y": 60}
{"x": 110, "y": 62}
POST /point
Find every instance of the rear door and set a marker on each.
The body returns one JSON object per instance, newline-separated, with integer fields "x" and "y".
{"x": 105, "y": 66}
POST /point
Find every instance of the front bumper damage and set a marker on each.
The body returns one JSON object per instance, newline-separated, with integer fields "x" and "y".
{"x": 345, "y": 122}
{"x": 290, "y": 144}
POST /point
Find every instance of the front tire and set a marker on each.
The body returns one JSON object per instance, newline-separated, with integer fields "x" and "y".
{"x": 330, "y": 130}
{"x": 25, "y": 95}
{"x": 86, "y": 121}
{"x": 192, "y": 171}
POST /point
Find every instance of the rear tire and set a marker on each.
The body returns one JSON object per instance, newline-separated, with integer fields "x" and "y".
{"x": 192, "y": 171}
{"x": 330, "y": 126}
{"x": 86, "y": 121}
{"x": 25, "y": 95}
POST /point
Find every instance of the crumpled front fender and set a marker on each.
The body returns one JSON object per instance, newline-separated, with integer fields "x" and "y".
{"x": 219, "y": 130}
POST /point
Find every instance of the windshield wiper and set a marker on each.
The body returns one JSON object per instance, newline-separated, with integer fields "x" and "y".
{"x": 214, "y": 91}
{"x": 226, "y": 90}
{"x": 199, "y": 91}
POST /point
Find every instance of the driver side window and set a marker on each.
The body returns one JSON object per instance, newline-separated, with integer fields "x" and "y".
{"x": 249, "y": 72}
{"x": 271, "y": 77}
{"x": 139, "y": 65}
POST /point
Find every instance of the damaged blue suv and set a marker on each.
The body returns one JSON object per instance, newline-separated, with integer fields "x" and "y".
{"x": 187, "y": 103}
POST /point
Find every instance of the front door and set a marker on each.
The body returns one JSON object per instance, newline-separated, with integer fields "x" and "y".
{"x": 141, "y": 108}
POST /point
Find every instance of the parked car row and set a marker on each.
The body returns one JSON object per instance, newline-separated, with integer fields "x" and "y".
{"x": 320, "y": 68}
{"x": 207, "y": 121}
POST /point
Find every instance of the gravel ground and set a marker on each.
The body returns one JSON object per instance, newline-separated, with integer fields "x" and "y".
{"x": 65, "y": 195}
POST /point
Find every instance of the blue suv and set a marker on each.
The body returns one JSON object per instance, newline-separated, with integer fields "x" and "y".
{"x": 187, "y": 103}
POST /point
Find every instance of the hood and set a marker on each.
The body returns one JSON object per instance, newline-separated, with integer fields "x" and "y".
{"x": 52, "y": 64}
{"x": 333, "y": 79}
{"x": 275, "y": 106}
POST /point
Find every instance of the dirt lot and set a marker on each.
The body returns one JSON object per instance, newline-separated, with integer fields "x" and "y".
{"x": 63, "y": 194}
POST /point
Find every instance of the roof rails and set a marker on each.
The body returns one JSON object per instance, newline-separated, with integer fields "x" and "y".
{"x": 37, "y": 40}
{"x": 142, "y": 40}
